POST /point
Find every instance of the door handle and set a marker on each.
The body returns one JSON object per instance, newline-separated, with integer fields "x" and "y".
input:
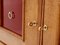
{"x": 33, "y": 23}
{"x": 44, "y": 28}
{"x": 11, "y": 15}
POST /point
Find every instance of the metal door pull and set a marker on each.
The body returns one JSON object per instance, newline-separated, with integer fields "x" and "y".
{"x": 11, "y": 15}
{"x": 32, "y": 23}
{"x": 44, "y": 28}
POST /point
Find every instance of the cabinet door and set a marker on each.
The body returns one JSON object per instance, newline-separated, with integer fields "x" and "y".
{"x": 51, "y": 19}
{"x": 31, "y": 18}
{"x": 12, "y": 15}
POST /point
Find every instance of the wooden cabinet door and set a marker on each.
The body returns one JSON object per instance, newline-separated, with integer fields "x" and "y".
{"x": 31, "y": 16}
{"x": 51, "y": 19}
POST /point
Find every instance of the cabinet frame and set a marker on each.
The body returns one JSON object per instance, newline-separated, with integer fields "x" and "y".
{"x": 41, "y": 13}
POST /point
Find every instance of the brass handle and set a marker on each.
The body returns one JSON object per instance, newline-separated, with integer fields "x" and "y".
{"x": 33, "y": 23}
{"x": 44, "y": 28}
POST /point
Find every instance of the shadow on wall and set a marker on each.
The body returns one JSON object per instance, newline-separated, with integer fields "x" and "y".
{"x": 0, "y": 12}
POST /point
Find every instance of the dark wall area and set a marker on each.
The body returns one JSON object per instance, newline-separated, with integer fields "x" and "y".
{"x": 0, "y": 12}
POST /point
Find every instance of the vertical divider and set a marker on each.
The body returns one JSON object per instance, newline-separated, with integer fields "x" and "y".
{"x": 41, "y": 19}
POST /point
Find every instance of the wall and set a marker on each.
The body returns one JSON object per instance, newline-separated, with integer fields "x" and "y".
{"x": 0, "y": 12}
